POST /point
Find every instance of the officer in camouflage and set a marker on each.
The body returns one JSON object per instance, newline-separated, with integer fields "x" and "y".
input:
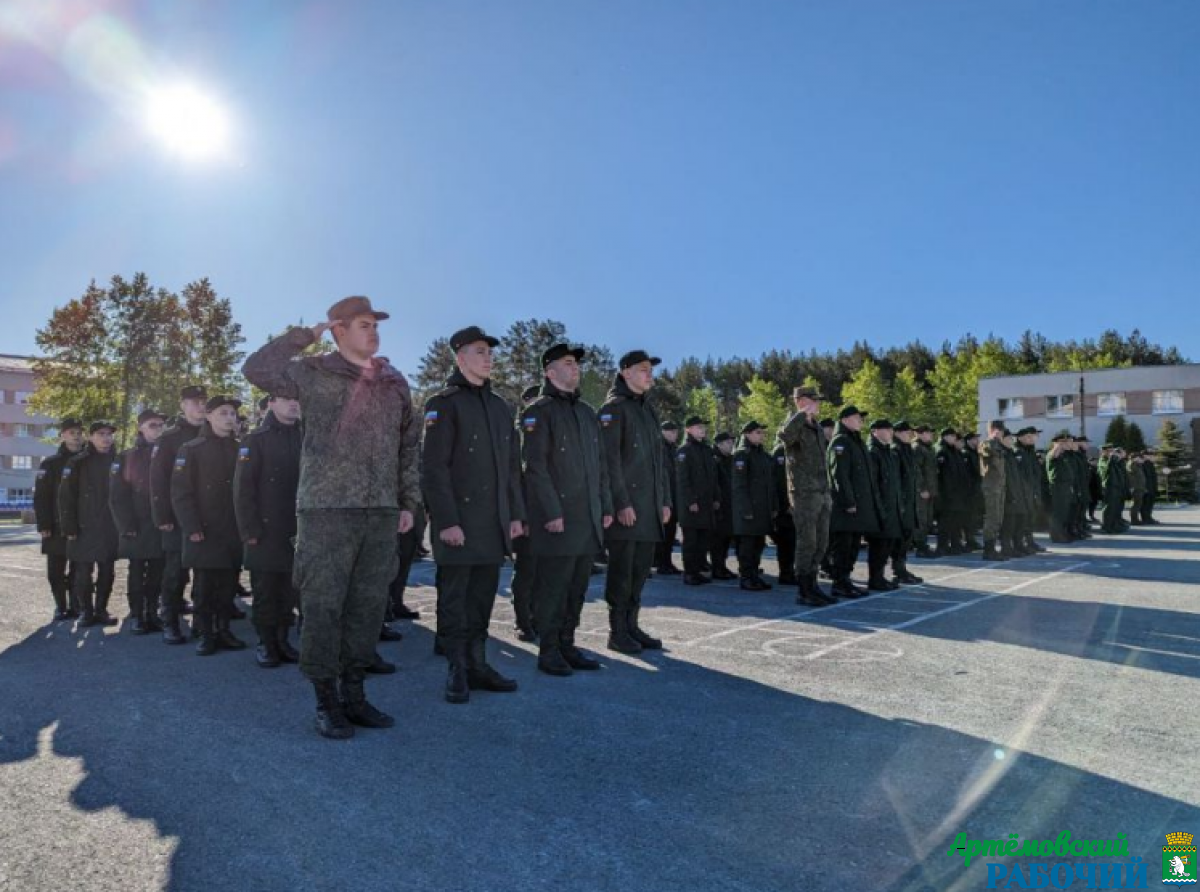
{"x": 359, "y": 484}
{"x": 993, "y": 466}
{"x": 804, "y": 442}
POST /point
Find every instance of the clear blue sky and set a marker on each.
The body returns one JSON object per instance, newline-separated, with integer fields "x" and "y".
{"x": 695, "y": 176}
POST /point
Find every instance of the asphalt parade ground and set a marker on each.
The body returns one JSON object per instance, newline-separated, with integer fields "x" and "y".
{"x": 767, "y": 747}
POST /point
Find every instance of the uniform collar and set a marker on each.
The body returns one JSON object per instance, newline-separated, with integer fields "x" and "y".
{"x": 458, "y": 379}
{"x": 548, "y": 389}
{"x": 620, "y": 387}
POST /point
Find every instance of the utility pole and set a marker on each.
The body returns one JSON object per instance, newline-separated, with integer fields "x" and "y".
{"x": 1082, "y": 420}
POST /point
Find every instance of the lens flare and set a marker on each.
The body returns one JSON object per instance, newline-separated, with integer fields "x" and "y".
{"x": 187, "y": 121}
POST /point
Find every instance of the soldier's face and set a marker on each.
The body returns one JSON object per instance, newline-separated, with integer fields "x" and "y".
{"x": 564, "y": 373}
{"x": 358, "y": 336}
{"x": 475, "y": 361}
{"x": 640, "y": 377}
{"x": 697, "y": 431}
{"x": 808, "y": 406}
{"x": 286, "y": 410}
{"x": 101, "y": 440}
{"x": 1027, "y": 440}
{"x": 726, "y": 447}
{"x": 951, "y": 440}
{"x": 671, "y": 436}
{"x": 853, "y": 422}
{"x": 73, "y": 438}
{"x": 884, "y": 435}
{"x": 926, "y": 437}
{"x": 193, "y": 411}
{"x": 904, "y": 437}
{"x": 151, "y": 429}
{"x": 755, "y": 437}
{"x": 223, "y": 420}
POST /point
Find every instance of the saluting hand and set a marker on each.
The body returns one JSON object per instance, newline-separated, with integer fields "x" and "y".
{"x": 453, "y": 536}
{"x": 320, "y": 328}
{"x": 627, "y": 517}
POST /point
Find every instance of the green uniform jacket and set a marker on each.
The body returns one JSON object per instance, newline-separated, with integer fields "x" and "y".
{"x": 129, "y": 500}
{"x": 264, "y": 494}
{"x": 83, "y": 510}
{"x": 1151, "y": 472}
{"x": 202, "y": 496}
{"x": 885, "y": 471}
{"x": 696, "y": 472}
{"x": 909, "y": 494}
{"x": 852, "y": 485}
{"x": 754, "y": 491}
{"x": 1019, "y": 484}
{"x": 927, "y": 470}
{"x": 804, "y": 443}
{"x": 471, "y": 472}
{"x": 954, "y": 482}
{"x": 162, "y": 464}
{"x": 638, "y": 468}
{"x": 723, "y": 516}
{"x": 565, "y": 474}
{"x": 783, "y": 498}
{"x": 993, "y": 465}
{"x": 361, "y": 437}
{"x": 45, "y": 500}
{"x": 1137, "y": 480}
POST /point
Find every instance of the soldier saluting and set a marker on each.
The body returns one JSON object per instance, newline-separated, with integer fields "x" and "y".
{"x": 45, "y": 506}
{"x": 567, "y": 495}
{"x": 264, "y": 498}
{"x": 359, "y": 485}
{"x": 141, "y": 543}
{"x": 162, "y": 463}
{"x": 471, "y": 477}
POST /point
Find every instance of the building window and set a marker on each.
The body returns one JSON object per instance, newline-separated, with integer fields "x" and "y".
{"x": 1012, "y": 408}
{"x": 1060, "y": 406}
{"x": 1109, "y": 404}
{"x": 22, "y": 397}
{"x": 51, "y": 432}
{"x": 22, "y": 463}
{"x": 1168, "y": 402}
{"x": 21, "y": 430}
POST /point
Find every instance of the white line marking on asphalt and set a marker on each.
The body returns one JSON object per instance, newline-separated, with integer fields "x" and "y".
{"x": 928, "y": 616}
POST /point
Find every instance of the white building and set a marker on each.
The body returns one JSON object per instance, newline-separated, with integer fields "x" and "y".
{"x": 21, "y": 445}
{"x": 1085, "y": 402}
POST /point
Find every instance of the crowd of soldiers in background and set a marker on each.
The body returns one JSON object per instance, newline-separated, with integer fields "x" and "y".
{"x": 575, "y": 488}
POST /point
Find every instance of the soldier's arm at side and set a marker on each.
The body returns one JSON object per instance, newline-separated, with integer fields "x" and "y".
{"x": 610, "y": 452}
{"x": 436, "y": 452}
{"x": 120, "y": 499}
{"x": 791, "y": 432}
{"x": 740, "y": 485}
{"x": 274, "y": 366}
{"x": 606, "y": 500}
{"x": 840, "y": 484}
{"x": 68, "y": 505}
{"x": 408, "y": 494}
{"x": 43, "y": 504}
{"x": 516, "y": 492}
{"x": 183, "y": 494}
{"x": 535, "y": 456}
{"x": 246, "y": 505}
{"x": 683, "y": 478}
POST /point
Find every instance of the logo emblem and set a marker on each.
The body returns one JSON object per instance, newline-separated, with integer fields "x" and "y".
{"x": 244, "y": 454}
{"x": 606, "y": 419}
{"x": 530, "y": 423}
{"x": 431, "y": 418}
{"x": 116, "y": 466}
{"x": 1179, "y": 859}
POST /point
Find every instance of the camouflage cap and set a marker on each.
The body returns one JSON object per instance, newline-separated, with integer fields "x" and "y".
{"x": 810, "y": 393}
{"x": 351, "y": 307}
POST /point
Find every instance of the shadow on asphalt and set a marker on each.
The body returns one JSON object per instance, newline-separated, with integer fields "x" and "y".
{"x": 656, "y": 774}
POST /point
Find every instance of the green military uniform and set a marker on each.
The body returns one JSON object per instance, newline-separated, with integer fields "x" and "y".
{"x": 1137, "y": 488}
{"x": 638, "y": 479}
{"x": 753, "y": 497}
{"x": 1060, "y": 472}
{"x": 471, "y": 478}
{"x": 566, "y": 479}
{"x": 803, "y": 442}
{"x": 993, "y": 467}
{"x": 358, "y": 471}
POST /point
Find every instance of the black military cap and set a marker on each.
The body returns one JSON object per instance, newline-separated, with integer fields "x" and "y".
{"x": 723, "y": 436}
{"x": 996, "y": 425}
{"x": 470, "y": 335}
{"x": 881, "y": 424}
{"x": 350, "y": 307}
{"x": 694, "y": 420}
{"x": 806, "y": 393}
{"x": 827, "y": 422}
{"x": 923, "y": 429}
{"x": 1107, "y": 445}
{"x": 1006, "y": 433}
{"x": 70, "y": 424}
{"x": 902, "y": 426}
{"x": 751, "y": 426}
{"x": 947, "y": 431}
{"x": 101, "y": 425}
{"x": 262, "y": 404}
{"x": 669, "y": 426}
{"x": 1082, "y": 439}
{"x": 558, "y": 351}
{"x": 969, "y": 435}
{"x": 218, "y": 401}
{"x": 193, "y": 392}
{"x": 1060, "y": 437}
{"x": 850, "y": 410}
{"x": 146, "y": 414}
{"x": 633, "y": 357}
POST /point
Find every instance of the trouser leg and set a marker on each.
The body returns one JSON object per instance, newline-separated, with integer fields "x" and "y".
{"x": 619, "y": 581}
{"x": 750, "y": 550}
{"x": 695, "y": 549}
{"x": 406, "y": 553}
{"x": 106, "y": 574}
{"x": 135, "y": 587}
{"x": 664, "y": 550}
{"x": 879, "y": 549}
{"x": 174, "y": 579}
{"x": 844, "y": 553}
{"x": 524, "y": 585}
{"x": 562, "y": 583}
{"x": 56, "y": 575}
{"x": 718, "y": 549}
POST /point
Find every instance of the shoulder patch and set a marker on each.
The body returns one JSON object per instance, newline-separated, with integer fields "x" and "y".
{"x": 681, "y": 455}
{"x": 66, "y": 472}
{"x": 740, "y": 464}
{"x": 154, "y": 451}
{"x": 781, "y": 459}
{"x": 607, "y": 418}
{"x": 244, "y": 453}
{"x": 41, "y": 473}
{"x": 839, "y": 448}
{"x": 180, "y": 461}
{"x": 115, "y": 468}
{"x": 431, "y": 417}
{"x": 529, "y": 423}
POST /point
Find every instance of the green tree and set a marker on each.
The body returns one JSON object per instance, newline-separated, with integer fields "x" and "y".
{"x": 908, "y": 399}
{"x": 518, "y": 361}
{"x": 702, "y": 402}
{"x": 1135, "y": 440}
{"x": 1177, "y": 475}
{"x": 1117, "y": 432}
{"x": 867, "y": 390}
{"x": 765, "y": 404}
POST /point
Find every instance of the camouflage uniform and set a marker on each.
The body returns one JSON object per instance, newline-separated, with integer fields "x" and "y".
{"x": 993, "y": 459}
{"x": 358, "y": 470}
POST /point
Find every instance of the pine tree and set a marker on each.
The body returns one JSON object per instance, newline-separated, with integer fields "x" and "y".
{"x": 1176, "y": 476}
{"x": 764, "y": 404}
{"x": 1135, "y": 440}
{"x": 1117, "y": 432}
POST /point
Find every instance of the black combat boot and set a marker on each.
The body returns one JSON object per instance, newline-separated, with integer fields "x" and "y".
{"x": 439, "y": 646}
{"x": 266, "y": 654}
{"x": 903, "y": 575}
{"x": 576, "y": 658}
{"x": 205, "y": 626}
{"x": 287, "y": 653}
{"x": 990, "y": 552}
{"x": 1032, "y": 545}
{"x": 481, "y": 676}
{"x": 59, "y": 592}
{"x": 879, "y": 583}
{"x": 722, "y": 573}
{"x": 331, "y": 720}
{"x": 226, "y": 640}
{"x": 387, "y": 633}
{"x": 648, "y": 642}
{"x": 550, "y": 658}
{"x": 805, "y": 594}
{"x": 172, "y": 634}
{"x": 845, "y": 588}
{"x": 355, "y": 705}
{"x": 525, "y": 631}
{"x": 458, "y": 687}
{"x": 695, "y": 579}
{"x": 380, "y": 666}
{"x": 403, "y": 611}
{"x": 137, "y": 627}
{"x": 819, "y": 594}
{"x": 785, "y": 578}
{"x": 619, "y": 638}
{"x": 87, "y": 609}
{"x": 103, "y": 617}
